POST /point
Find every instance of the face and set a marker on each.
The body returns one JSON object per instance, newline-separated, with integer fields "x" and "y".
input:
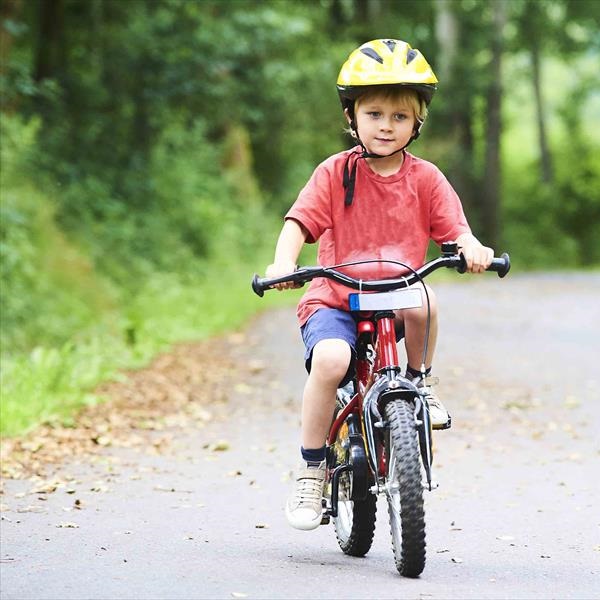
{"x": 384, "y": 125}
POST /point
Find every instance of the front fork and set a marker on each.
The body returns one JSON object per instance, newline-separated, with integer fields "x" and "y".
{"x": 392, "y": 386}
{"x": 423, "y": 423}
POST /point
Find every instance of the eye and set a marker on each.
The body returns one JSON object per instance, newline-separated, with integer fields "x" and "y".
{"x": 400, "y": 116}
{"x": 374, "y": 114}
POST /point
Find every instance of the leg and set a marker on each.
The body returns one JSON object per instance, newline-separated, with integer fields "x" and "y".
{"x": 415, "y": 322}
{"x": 330, "y": 362}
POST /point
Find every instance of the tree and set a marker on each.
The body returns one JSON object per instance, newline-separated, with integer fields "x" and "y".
{"x": 493, "y": 129}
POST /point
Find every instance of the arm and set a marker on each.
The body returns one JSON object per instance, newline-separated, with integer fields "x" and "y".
{"x": 290, "y": 243}
{"x": 478, "y": 256}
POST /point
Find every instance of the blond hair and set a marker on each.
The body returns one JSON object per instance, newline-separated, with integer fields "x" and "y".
{"x": 403, "y": 95}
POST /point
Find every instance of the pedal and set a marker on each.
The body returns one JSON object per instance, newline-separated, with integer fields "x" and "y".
{"x": 445, "y": 425}
{"x": 434, "y": 485}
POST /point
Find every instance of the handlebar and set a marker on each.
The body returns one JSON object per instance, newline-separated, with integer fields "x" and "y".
{"x": 303, "y": 274}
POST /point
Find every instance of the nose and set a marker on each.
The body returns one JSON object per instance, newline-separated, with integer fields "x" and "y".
{"x": 385, "y": 124}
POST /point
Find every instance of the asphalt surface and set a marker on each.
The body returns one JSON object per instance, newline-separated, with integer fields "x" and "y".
{"x": 516, "y": 514}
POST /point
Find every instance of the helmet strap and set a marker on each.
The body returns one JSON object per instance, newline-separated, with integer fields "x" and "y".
{"x": 349, "y": 176}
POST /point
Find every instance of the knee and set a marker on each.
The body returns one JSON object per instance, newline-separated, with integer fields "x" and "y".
{"x": 331, "y": 359}
{"x": 420, "y": 314}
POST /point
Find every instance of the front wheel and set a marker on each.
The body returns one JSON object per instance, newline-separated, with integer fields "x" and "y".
{"x": 404, "y": 489}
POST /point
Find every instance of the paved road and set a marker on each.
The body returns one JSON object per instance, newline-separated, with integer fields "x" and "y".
{"x": 516, "y": 514}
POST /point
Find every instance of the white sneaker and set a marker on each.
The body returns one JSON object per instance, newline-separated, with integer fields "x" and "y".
{"x": 304, "y": 509}
{"x": 440, "y": 419}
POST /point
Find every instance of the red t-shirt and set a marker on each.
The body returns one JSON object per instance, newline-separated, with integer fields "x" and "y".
{"x": 390, "y": 217}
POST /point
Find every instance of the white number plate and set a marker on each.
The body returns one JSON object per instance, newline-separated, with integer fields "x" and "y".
{"x": 396, "y": 300}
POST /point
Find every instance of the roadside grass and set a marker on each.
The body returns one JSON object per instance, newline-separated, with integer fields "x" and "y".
{"x": 52, "y": 383}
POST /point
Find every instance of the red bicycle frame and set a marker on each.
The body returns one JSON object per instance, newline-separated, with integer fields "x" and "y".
{"x": 386, "y": 356}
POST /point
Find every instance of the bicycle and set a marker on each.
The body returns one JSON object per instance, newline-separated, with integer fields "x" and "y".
{"x": 380, "y": 439}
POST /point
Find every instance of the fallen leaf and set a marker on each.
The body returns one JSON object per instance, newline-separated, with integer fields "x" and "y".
{"x": 242, "y": 388}
{"x": 219, "y": 446}
{"x": 256, "y": 366}
{"x": 572, "y": 402}
{"x": 32, "y": 509}
{"x": 162, "y": 488}
{"x": 68, "y": 525}
{"x": 47, "y": 487}
{"x": 102, "y": 440}
{"x": 99, "y": 488}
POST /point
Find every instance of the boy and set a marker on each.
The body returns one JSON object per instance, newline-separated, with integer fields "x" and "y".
{"x": 374, "y": 201}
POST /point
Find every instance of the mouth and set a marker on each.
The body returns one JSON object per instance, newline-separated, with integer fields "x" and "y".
{"x": 384, "y": 140}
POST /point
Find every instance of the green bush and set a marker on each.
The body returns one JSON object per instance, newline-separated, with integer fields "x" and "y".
{"x": 92, "y": 283}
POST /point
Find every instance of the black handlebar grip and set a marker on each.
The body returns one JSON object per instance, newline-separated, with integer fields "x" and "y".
{"x": 500, "y": 265}
{"x": 258, "y": 286}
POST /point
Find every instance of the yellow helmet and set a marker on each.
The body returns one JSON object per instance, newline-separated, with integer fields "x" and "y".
{"x": 385, "y": 62}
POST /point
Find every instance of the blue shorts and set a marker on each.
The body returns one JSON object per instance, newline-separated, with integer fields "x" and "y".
{"x": 332, "y": 323}
{"x": 327, "y": 324}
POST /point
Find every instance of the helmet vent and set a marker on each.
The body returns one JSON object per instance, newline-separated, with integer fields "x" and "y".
{"x": 391, "y": 44}
{"x": 411, "y": 55}
{"x": 372, "y": 54}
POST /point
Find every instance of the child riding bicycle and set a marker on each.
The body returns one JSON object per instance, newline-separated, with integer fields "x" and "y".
{"x": 374, "y": 201}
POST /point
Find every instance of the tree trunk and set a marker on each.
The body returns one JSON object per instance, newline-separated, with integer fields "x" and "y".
{"x": 545, "y": 156}
{"x": 492, "y": 176}
{"x": 447, "y": 34}
{"x": 49, "y": 51}
{"x": 459, "y": 113}
{"x": 9, "y": 11}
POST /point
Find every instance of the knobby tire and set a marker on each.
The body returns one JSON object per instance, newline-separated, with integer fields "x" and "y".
{"x": 405, "y": 503}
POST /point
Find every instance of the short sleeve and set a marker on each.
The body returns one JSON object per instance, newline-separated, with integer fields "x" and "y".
{"x": 447, "y": 218}
{"x": 312, "y": 208}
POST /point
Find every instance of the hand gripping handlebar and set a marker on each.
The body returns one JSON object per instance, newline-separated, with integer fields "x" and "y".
{"x": 303, "y": 274}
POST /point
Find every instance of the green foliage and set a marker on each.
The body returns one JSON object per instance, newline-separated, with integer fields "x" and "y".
{"x": 106, "y": 288}
{"x": 48, "y": 286}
